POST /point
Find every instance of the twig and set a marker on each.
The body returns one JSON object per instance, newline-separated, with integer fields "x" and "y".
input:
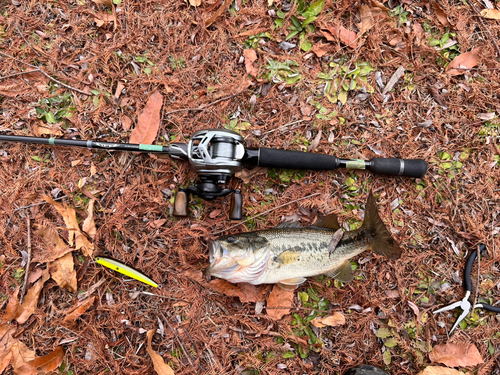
{"x": 20, "y": 73}
{"x": 46, "y": 75}
{"x": 282, "y": 126}
{"x": 28, "y": 263}
{"x": 478, "y": 275}
{"x": 293, "y": 338}
{"x": 31, "y": 205}
{"x": 28, "y": 43}
{"x": 180, "y": 343}
{"x": 203, "y": 106}
{"x": 265, "y": 212}
{"x": 485, "y": 27}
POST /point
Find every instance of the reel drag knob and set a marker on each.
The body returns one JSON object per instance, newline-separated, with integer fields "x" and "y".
{"x": 236, "y": 205}
{"x": 181, "y": 204}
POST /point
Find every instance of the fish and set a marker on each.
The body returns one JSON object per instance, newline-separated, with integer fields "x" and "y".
{"x": 289, "y": 253}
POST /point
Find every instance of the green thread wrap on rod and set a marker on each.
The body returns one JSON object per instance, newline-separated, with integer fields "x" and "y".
{"x": 150, "y": 147}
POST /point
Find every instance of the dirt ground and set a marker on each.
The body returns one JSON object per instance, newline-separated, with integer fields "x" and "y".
{"x": 256, "y": 67}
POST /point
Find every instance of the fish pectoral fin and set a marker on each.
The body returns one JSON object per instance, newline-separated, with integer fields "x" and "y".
{"x": 342, "y": 272}
{"x": 291, "y": 284}
{"x": 337, "y": 236}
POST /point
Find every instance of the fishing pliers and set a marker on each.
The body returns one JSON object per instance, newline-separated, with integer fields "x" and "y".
{"x": 464, "y": 304}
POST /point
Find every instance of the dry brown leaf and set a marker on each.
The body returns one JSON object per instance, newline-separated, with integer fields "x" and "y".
{"x": 159, "y": 364}
{"x": 108, "y": 3}
{"x": 119, "y": 88}
{"x": 30, "y": 301}
{"x": 21, "y": 356}
{"x": 463, "y": 61}
{"x": 315, "y": 141}
{"x": 75, "y": 236}
{"x": 219, "y": 12}
{"x": 55, "y": 244}
{"x": 148, "y": 122}
{"x": 158, "y": 223}
{"x": 49, "y": 362}
{"x": 320, "y": 49}
{"x": 492, "y": 14}
{"x": 63, "y": 272}
{"x": 195, "y": 3}
{"x": 215, "y": 213}
{"x": 337, "y": 319}
{"x": 13, "y": 88}
{"x": 250, "y": 57}
{"x": 245, "y": 292}
{"x": 93, "y": 169}
{"x": 247, "y": 174}
{"x": 279, "y": 297}
{"x": 6, "y": 343}
{"x": 74, "y": 313}
{"x": 456, "y": 355}
{"x": 88, "y": 225}
{"x": 126, "y": 123}
{"x": 11, "y": 310}
{"x": 42, "y": 128}
{"x": 441, "y": 15}
{"x": 437, "y": 370}
{"x": 348, "y": 37}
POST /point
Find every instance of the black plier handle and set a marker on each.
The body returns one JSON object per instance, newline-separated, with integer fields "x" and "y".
{"x": 464, "y": 303}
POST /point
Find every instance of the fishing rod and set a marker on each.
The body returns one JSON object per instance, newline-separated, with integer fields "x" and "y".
{"x": 216, "y": 154}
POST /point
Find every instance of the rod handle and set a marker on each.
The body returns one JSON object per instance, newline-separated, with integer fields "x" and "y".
{"x": 273, "y": 158}
{"x": 399, "y": 167}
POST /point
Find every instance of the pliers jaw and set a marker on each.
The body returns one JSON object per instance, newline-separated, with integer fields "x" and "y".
{"x": 463, "y": 304}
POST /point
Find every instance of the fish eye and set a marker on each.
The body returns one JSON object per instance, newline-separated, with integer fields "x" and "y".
{"x": 231, "y": 239}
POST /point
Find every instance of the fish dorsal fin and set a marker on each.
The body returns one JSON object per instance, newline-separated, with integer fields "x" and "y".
{"x": 288, "y": 225}
{"x": 328, "y": 222}
{"x": 291, "y": 284}
{"x": 342, "y": 272}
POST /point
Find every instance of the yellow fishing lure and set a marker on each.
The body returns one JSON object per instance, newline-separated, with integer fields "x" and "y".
{"x": 126, "y": 270}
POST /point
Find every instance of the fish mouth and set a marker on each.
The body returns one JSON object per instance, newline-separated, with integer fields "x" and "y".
{"x": 220, "y": 266}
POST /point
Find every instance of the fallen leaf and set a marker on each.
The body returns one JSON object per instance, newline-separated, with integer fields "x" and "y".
{"x": 278, "y": 298}
{"x": 245, "y": 292}
{"x": 218, "y": 13}
{"x": 13, "y": 88}
{"x": 456, "y": 355}
{"x": 42, "y": 128}
{"x": 148, "y": 122}
{"x": 49, "y": 362}
{"x": 337, "y": 319}
{"x": 63, "y": 272}
{"x": 437, "y": 370}
{"x": 158, "y": 223}
{"x": 348, "y": 37}
{"x": 56, "y": 247}
{"x": 126, "y": 123}
{"x": 119, "y": 88}
{"x": 315, "y": 142}
{"x": 11, "y": 310}
{"x": 441, "y": 15}
{"x": 486, "y": 116}
{"x": 435, "y": 94}
{"x": 368, "y": 14}
{"x": 74, "y": 313}
{"x": 215, "y": 213}
{"x": 93, "y": 169}
{"x": 21, "y": 356}
{"x": 492, "y": 14}
{"x": 75, "y": 236}
{"x": 88, "y": 225}
{"x": 463, "y": 61}
{"x": 159, "y": 364}
{"x": 30, "y": 301}
{"x": 108, "y": 3}
{"x": 247, "y": 174}
{"x": 250, "y": 57}
{"x": 6, "y": 343}
{"x": 195, "y": 3}
{"x": 320, "y": 49}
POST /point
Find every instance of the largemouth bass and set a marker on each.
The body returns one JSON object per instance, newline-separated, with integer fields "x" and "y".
{"x": 289, "y": 253}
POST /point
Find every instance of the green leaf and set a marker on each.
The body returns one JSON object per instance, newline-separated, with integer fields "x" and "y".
{"x": 288, "y": 354}
{"x": 491, "y": 348}
{"x": 387, "y": 357}
{"x": 278, "y": 22}
{"x": 304, "y": 297}
{"x": 391, "y": 342}
{"x": 296, "y": 23}
{"x": 308, "y": 21}
{"x": 37, "y": 158}
{"x": 383, "y": 333}
{"x": 280, "y": 14}
{"x": 147, "y": 71}
{"x": 49, "y": 116}
{"x": 343, "y": 96}
{"x": 315, "y": 8}
{"x": 95, "y": 92}
{"x": 292, "y": 34}
{"x": 306, "y": 45}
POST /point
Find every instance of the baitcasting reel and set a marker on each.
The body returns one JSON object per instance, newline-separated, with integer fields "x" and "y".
{"x": 215, "y": 155}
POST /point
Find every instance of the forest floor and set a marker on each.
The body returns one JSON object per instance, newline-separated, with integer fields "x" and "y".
{"x": 357, "y": 80}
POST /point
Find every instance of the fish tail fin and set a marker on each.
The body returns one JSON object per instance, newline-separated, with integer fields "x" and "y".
{"x": 381, "y": 241}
